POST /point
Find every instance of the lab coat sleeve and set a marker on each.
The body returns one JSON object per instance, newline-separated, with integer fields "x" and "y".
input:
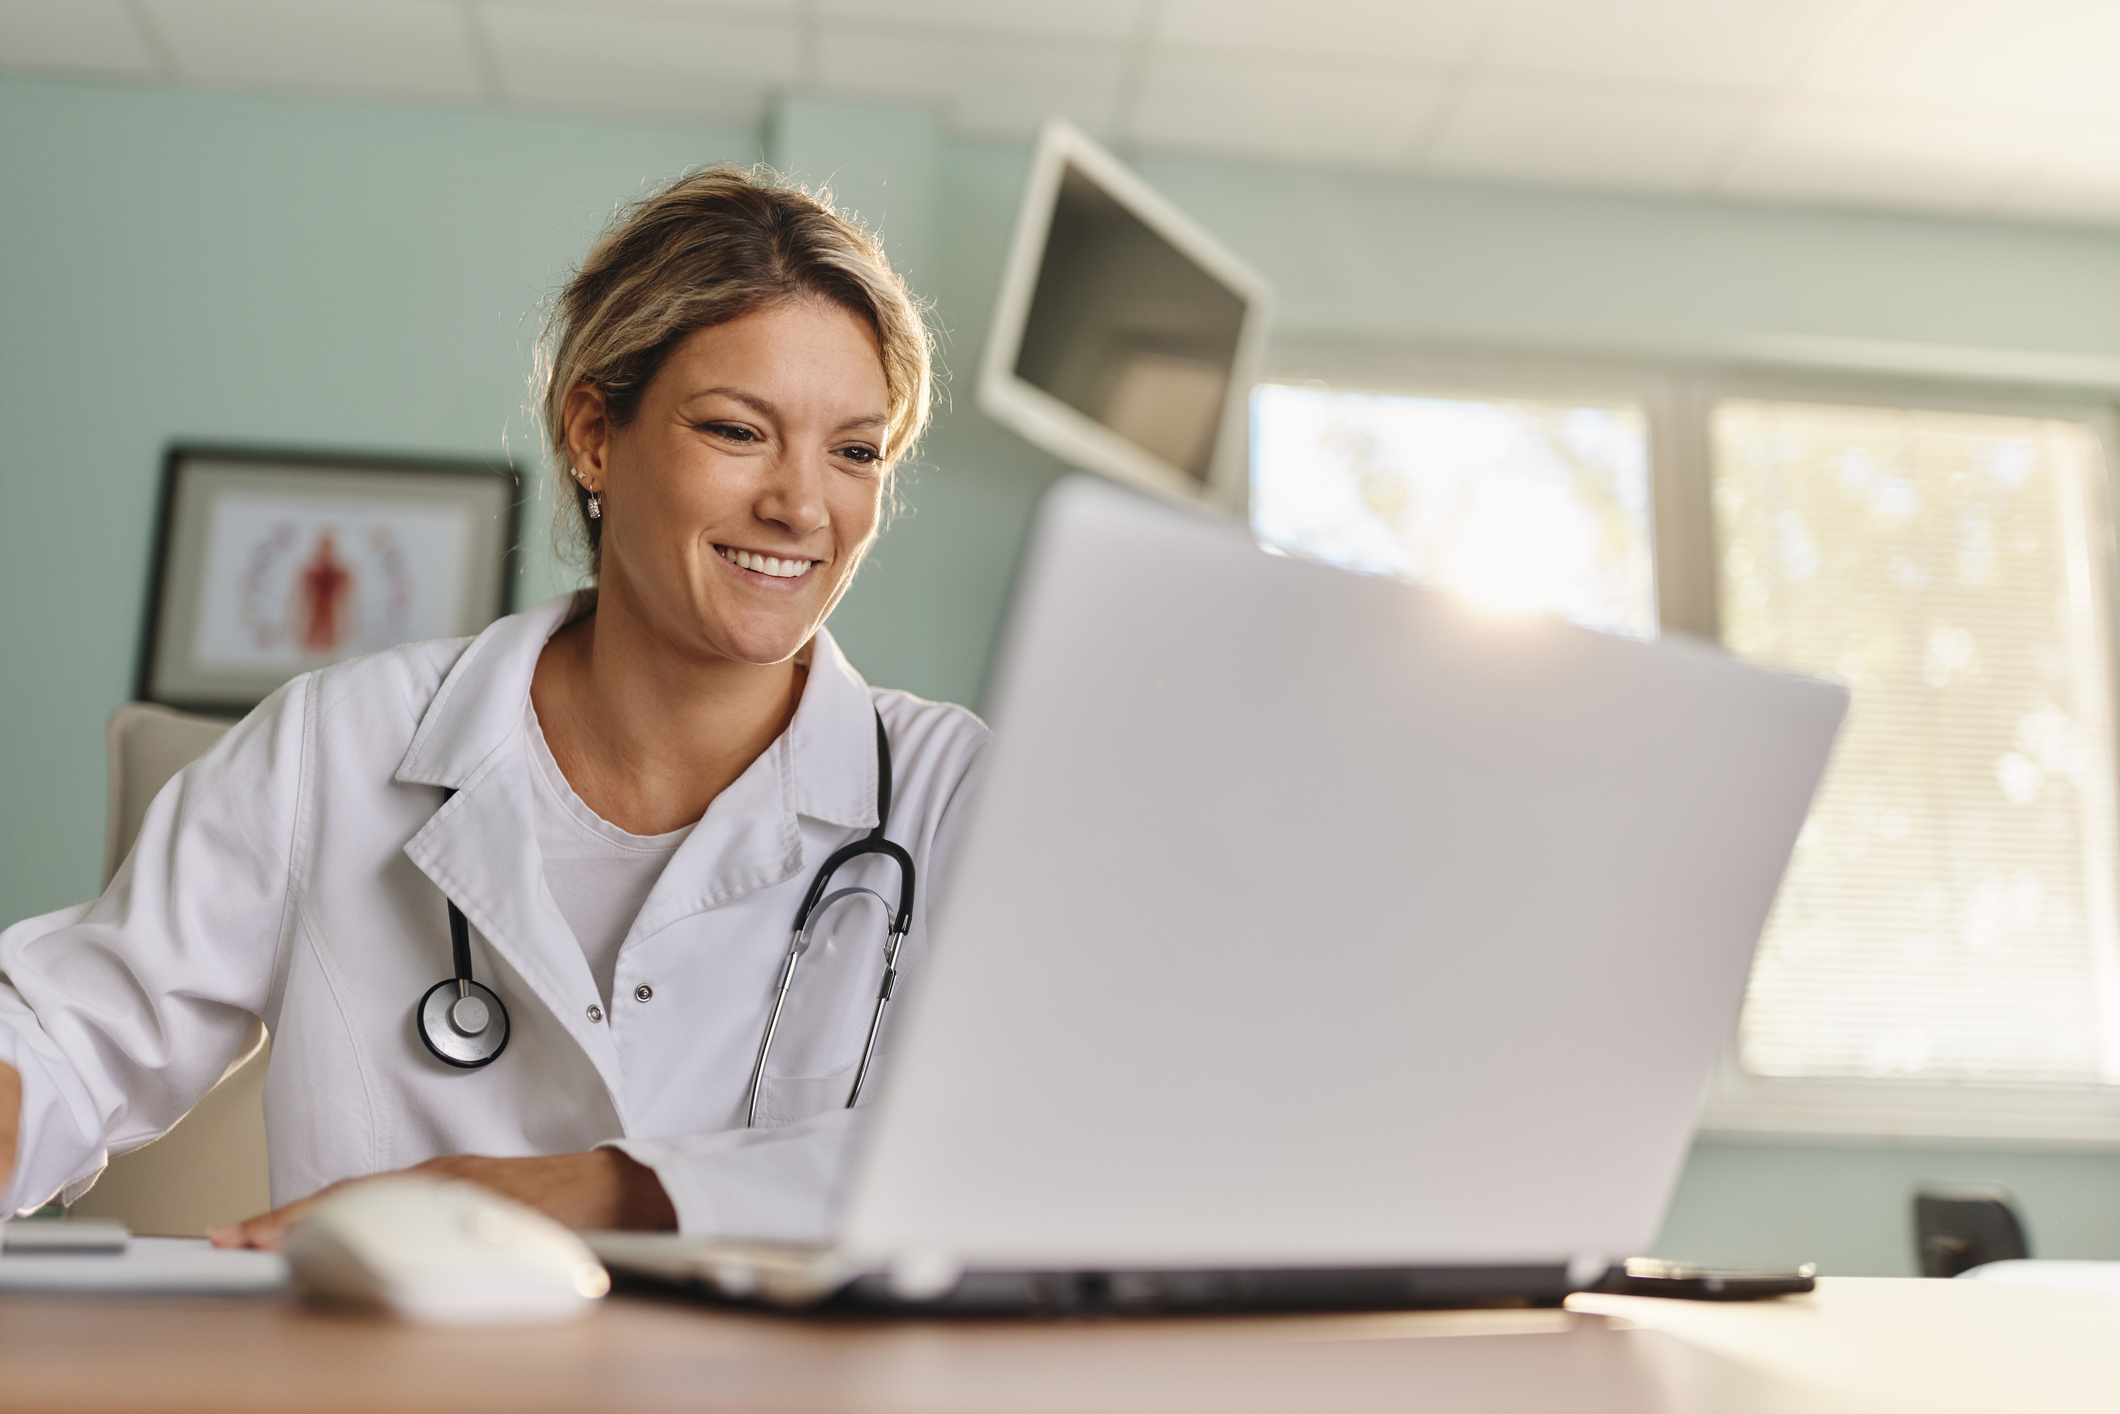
{"x": 122, "y": 1013}
{"x": 780, "y": 1185}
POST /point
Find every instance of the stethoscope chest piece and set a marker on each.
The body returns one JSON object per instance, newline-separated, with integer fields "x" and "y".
{"x": 463, "y": 1023}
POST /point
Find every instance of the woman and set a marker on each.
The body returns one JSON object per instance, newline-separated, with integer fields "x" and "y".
{"x": 625, "y": 793}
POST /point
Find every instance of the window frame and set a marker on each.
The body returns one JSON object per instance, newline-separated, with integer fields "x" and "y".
{"x": 1678, "y": 400}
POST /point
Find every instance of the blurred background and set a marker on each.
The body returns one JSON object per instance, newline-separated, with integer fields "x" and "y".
{"x": 1790, "y": 322}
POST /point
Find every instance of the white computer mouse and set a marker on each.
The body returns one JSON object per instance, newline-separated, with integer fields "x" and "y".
{"x": 444, "y": 1253}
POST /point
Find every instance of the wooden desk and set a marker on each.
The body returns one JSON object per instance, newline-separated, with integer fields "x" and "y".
{"x": 1875, "y": 1345}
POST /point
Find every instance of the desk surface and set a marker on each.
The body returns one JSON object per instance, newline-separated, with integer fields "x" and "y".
{"x": 1857, "y": 1345}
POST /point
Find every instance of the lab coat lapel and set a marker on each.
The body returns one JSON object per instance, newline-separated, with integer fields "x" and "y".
{"x": 480, "y": 848}
{"x": 823, "y": 766}
{"x": 481, "y": 852}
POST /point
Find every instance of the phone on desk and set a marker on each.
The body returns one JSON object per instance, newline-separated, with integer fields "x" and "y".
{"x": 1646, "y": 1276}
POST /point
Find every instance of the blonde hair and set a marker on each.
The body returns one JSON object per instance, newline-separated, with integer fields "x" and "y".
{"x": 712, "y": 246}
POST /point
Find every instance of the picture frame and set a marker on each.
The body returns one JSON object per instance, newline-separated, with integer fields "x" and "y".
{"x": 270, "y": 563}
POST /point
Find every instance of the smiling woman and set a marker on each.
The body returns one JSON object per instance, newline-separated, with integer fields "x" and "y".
{"x": 605, "y": 810}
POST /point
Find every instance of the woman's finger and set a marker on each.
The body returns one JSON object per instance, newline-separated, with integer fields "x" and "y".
{"x": 268, "y": 1230}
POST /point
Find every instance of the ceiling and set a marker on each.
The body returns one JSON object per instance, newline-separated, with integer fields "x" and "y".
{"x": 1984, "y": 108}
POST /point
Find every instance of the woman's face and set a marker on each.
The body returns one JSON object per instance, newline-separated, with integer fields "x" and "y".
{"x": 739, "y": 501}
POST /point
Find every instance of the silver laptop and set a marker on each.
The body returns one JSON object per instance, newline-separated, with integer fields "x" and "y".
{"x": 1319, "y": 942}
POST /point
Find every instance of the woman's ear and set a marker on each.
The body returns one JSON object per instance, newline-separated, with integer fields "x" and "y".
{"x": 588, "y": 427}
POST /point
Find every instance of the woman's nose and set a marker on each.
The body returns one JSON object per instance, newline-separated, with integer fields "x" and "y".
{"x": 794, "y": 494}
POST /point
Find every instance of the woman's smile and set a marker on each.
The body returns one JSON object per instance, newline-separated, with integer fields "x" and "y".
{"x": 776, "y": 571}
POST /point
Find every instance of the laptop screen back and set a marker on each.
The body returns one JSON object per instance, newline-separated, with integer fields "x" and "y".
{"x": 1310, "y": 919}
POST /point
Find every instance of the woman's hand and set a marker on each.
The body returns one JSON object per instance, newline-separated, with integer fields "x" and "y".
{"x": 600, "y": 1189}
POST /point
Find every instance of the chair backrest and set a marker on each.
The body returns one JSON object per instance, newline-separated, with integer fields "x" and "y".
{"x": 146, "y": 745}
{"x": 211, "y": 1168}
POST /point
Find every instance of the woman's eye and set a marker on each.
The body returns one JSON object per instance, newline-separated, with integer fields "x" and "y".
{"x": 733, "y": 431}
{"x": 864, "y": 456}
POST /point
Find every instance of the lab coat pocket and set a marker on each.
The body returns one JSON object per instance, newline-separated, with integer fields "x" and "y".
{"x": 787, "y": 1099}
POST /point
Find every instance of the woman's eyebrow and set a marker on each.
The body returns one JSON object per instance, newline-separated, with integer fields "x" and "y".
{"x": 750, "y": 400}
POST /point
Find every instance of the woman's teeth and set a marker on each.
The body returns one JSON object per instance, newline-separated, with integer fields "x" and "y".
{"x": 764, "y": 564}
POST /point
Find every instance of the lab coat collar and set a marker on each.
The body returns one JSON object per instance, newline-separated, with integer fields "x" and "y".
{"x": 828, "y": 752}
{"x": 832, "y": 742}
{"x": 479, "y": 707}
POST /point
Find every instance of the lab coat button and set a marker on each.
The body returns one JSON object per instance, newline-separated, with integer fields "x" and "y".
{"x": 596, "y": 1013}
{"x": 643, "y": 992}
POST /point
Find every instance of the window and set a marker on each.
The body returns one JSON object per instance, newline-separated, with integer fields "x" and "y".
{"x": 1950, "y": 911}
{"x": 1514, "y": 502}
{"x": 1944, "y": 957}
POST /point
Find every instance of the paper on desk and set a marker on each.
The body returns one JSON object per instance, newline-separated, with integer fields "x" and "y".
{"x": 149, "y": 1266}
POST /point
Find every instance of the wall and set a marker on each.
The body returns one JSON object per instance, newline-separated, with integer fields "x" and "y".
{"x": 185, "y": 265}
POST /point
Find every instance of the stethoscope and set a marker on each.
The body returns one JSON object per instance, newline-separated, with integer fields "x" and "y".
{"x": 465, "y": 1025}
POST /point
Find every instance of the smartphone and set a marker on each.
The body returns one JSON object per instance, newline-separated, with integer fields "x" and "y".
{"x": 1646, "y": 1276}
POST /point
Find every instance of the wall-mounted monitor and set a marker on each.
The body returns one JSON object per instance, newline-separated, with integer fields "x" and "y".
{"x": 1126, "y": 339}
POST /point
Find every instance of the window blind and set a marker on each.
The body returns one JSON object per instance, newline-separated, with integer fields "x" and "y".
{"x": 1950, "y": 910}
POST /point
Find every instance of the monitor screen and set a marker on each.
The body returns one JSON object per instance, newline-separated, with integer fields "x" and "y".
{"x": 1126, "y": 338}
{"x": 1127, "y": 329}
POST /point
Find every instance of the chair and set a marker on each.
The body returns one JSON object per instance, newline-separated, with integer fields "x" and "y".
{"x": 209, "y": 1169}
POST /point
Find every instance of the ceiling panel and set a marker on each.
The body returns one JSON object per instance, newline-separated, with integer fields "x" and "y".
{"x": 1693, "y": 42}
{"x": 1969, "y": 106}
{"x": 385, "y": 48}
{"x": 711, "y": 68}
{"x": 2038, "y": 55}
{"x": 1275, "y": 112}
{"x": 985, "y": 89}
{"x": 1591, "y": 136}
{"x": 1430, "y": 32}
{"x": 1815, "y": 150}
{"x": 73, "y": 36}
{"x": 2078, "y": 181}
{"x": 1109, "y": 21}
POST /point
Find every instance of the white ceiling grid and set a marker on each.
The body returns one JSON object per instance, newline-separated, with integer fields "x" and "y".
{"x": 1968, "y": 107}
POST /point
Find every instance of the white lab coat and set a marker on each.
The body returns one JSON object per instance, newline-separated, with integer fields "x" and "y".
{"x": 299, "y": 873}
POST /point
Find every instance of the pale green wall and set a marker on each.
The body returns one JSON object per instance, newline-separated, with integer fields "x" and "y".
{"x": 178, "y": 265}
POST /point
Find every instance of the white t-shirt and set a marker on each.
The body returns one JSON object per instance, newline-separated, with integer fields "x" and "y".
{"x": 598, "y": 874}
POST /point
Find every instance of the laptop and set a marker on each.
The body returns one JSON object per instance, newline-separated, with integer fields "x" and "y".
{"x": 1320, "y": 942}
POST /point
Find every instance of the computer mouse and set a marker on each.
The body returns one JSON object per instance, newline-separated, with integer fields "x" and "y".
{"x": 444, "y": 1253}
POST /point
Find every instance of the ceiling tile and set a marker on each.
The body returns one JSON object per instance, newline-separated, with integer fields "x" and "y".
{"x": 72, "y": 36}
{"x": 2039, "y": 55}
{"x": 1280, "y": 112}
{"x": 988, "y": 89}
{"x": 707, "y": 68}
{"x": 1817, "y": 150}
{"x": 1109, "y": 21}
{"x": 386, "y": 48}
{"x": 1711, "y": 43}
{"x": 1433, "y": 32}
{"x": 1592, "y": 136}
{"x": 2078, "y": 181}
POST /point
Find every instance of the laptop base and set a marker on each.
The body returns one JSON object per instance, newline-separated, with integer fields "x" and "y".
{"x": 815, "y": 1278}
{"x": 1201, "y": 1292}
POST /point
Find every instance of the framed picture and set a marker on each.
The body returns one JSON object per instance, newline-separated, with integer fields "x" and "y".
{"x": 269, "y": 564}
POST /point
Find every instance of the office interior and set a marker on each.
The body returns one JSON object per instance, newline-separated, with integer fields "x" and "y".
{"x": 225, "y": 236}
